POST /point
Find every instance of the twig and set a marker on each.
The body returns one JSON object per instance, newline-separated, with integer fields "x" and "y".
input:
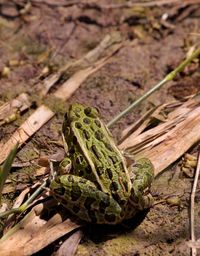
{"x": 168, "y": 78}
{"x": 10, "y": 110}
{"x": 168, "y": 141}
{"x": 142, "y": 4}
{"x": 25, "y": 205}
{"x": 193, "y": 249}
{"x": 32, "y": 124}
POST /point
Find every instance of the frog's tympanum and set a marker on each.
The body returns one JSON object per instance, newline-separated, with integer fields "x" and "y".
{"x": 97, "y": 185}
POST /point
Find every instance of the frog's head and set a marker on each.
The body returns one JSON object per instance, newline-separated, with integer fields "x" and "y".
{"x": 78, "y": 110}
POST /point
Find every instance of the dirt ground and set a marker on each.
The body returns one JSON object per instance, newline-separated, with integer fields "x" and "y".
{"x": 35, "y": 35}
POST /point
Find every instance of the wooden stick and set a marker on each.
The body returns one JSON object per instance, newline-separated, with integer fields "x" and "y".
{"x": 194, "y": 188}
{"x": 66, "y": 90}
{"x": 168, "y": 141}
{"x": 26, "y": 130}
{"x": 9, "y": 110}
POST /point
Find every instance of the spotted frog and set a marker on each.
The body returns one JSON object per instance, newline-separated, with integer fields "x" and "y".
{"x": 95, "y": 182}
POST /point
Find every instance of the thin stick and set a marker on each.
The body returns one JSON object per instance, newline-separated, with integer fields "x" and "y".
{"x": 168, "y": 78}
{"x": 193, "y": 249}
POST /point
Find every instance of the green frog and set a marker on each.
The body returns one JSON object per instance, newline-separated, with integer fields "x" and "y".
{"x": 96, "y": 182}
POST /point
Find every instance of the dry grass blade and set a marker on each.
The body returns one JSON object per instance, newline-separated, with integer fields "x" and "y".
{"x": 69, "y": 246}
{"x": 110, "y": 42}
{"x": 9, "y": 110}
{"x": 165, "y": 143}
{"x": 66, "y": 90}
{"x": 193, "y": 249}
{"x": 6, "y": 166}
{"x": 26, "y": 130}
{"x": 149, "y": 4}
{"x": 33, "y": 233}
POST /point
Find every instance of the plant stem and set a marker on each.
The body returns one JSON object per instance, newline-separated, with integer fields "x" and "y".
{"x": 6, "y": 166}
{"x": 168, "y": 78}
{"x": 25, "y": 205}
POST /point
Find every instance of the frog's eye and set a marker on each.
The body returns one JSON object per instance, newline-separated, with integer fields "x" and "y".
{"x": 91, "y": 112}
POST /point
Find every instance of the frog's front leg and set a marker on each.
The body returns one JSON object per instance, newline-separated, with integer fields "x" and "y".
{"x": 81, "y": 197}
{"x": 142, "y": 174}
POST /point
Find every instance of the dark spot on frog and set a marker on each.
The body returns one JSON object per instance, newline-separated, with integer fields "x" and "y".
{"x": 95, "y": 151}
{"x": 86, "y": 120}
{"x": 79, "y": 159}
{"x": 121, "y": 167}
{"x": 87, "y": 111}
{"x": 78, "y": 125}
{"x": 125, "y": 185}
{"x": 102, "y": 209}
{"x": 60, "y": 191}
{"x": 98, "y": 135}
{"x": 98, "y": 123}
{"x": 122, "y": 202}
{"x": 133, "y": 196}
{"x": 110, "y": 217}
{"x": 88, "y": 202}
{"x": 113, "y": 159}
{"x": 88, "y": 170}
{"x": 86, "y": 134}
{"x": 92, "y": 216}
{"x": 74, "y": 139}
{"x": 81, "y": 173}
{"x": 109, "y": 173}
{"x": 75, "y": 209}
{"x": 108, "y": 146}
{"x": 75, "y": 192}
{"x": 71, "y": 150}
{"x": 116, "y": 197}
{"x": 70, "y": 178}
{"x": 114, "y": 186}
{"x": 103, "y": 204}
{"x": 100, "y": 171}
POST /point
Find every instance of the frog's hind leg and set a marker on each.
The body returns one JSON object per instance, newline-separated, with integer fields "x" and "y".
{"x": 142, "y": 174}
{"x": 81, "y": 197}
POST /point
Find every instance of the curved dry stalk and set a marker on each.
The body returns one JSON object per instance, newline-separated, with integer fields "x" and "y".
{"x": 168, "y": 78}
{"x": 193, "y": 249}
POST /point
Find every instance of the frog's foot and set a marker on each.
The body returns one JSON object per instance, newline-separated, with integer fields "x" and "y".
{"x": 142, "y": 177}
{"x": 81, "y": 197}
{"x": 188, "y": 165}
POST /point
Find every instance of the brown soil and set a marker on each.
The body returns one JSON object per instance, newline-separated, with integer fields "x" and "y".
{"x": 52, "y": 33}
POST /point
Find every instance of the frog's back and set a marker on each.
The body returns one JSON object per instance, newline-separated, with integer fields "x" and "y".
{"x": 97, "y": 145}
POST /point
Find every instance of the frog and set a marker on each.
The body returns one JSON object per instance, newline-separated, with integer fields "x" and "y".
{"x": 96, "y": 181}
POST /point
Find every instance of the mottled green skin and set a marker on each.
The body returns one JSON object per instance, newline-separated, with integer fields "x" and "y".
{"x": 98, "y": 187}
